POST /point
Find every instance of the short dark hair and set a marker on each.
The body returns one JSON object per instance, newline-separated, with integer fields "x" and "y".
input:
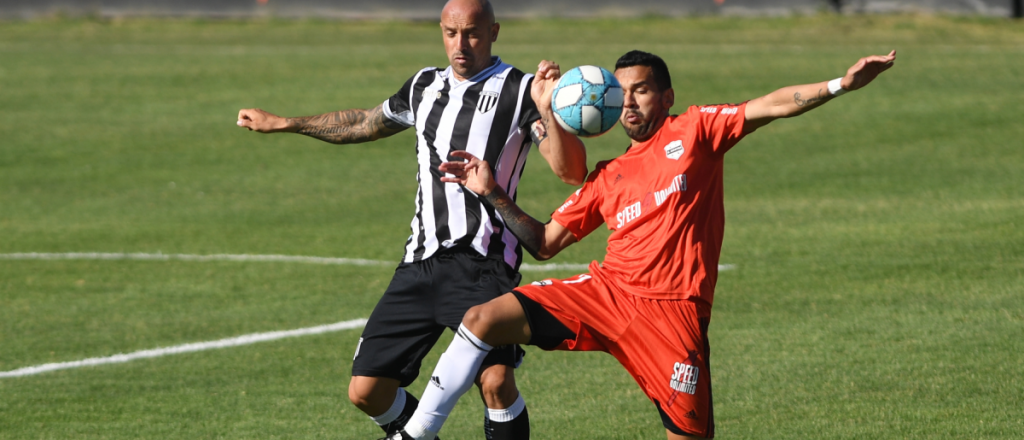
{"x": 657, "y": 65}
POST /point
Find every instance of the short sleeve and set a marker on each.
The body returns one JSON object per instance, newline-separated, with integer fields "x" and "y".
{"x": 529, "y": 113}
{"x": 581, "y": 212}
{"x": 721, "y": 125}
{"x": 398, "y": 108}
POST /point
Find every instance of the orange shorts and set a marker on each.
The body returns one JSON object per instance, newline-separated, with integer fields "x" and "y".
{"x": 663, "y": 344}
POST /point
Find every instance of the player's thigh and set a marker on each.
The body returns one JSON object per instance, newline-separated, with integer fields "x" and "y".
{"x": 401, "y": 330}
{"x": 666, "y": 351}
{"x": 499, "y": 321}
{"x": 464, "y": 280}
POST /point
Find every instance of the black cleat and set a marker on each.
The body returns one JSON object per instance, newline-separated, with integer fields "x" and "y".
{"x": 401, "y": 435}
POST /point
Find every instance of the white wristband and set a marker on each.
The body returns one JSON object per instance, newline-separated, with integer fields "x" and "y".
{"x": 835, "y": 88}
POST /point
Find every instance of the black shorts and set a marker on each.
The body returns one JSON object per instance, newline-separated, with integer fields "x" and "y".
{"x": 423, "y": 299}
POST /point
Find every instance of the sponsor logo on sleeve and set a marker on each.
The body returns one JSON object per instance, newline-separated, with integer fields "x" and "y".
{"x": 569, "y": 202}
{"x": 725, "y": 110}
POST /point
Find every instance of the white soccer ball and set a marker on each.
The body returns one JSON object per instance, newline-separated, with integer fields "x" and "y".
{"x": 587, "y": 101}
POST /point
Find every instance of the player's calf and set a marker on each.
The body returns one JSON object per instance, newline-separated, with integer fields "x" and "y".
{"x": 506, "y": 417}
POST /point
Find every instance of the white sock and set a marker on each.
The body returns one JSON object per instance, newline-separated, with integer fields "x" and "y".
{"x": 452, "y": 377}
{"x": 392, "y": 413}
{"x": 507, "y": 414}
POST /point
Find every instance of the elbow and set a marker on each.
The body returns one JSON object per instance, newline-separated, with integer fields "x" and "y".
{"x": 572, "y": 180}
{"x": 544, "y": 254}
{"x": 574, "y": 177}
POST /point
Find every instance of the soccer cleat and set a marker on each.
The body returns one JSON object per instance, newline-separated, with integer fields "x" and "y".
{"x": 401, "y": 435}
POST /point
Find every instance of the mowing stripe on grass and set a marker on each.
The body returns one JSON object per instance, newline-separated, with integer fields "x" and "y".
{"x": 259, "y": 258}
{"x": 187, "y": 348}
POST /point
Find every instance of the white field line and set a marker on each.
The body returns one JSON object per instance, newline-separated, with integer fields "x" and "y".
{"x": 187, "y": 348}
{"x": 260, "y": 258}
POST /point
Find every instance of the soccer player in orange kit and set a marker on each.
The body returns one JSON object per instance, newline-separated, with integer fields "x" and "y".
{"x": 649, "y": 303}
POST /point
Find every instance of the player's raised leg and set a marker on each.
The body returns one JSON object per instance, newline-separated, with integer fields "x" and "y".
{"x": 498, "y": 322}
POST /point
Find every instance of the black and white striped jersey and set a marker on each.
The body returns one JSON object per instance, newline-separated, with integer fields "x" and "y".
{"x": 489, "y": 116}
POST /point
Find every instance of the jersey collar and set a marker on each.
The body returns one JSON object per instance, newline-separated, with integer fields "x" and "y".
{"x": 486, "y": 73}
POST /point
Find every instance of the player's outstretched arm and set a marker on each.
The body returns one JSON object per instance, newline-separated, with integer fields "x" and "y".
{"x": 341, "y": 127}
{"x": 564, "y": 152}
{"x": 796, "y": 100}
{"x": 543, "y": 241}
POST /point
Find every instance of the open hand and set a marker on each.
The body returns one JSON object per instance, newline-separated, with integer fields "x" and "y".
{"x": 548, "y": 74}
{"x": 474, "y": 174}
{"x": 866, "y": 70}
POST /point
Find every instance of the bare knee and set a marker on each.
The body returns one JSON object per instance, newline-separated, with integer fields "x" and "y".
{"x": 498, "y": 322}
{"x": 498, "y": 386}
{"x": 478, "y": 319}
{"x": 372, "y": 395}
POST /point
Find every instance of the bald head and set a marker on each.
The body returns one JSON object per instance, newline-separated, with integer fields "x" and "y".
{"x": 474, "y": 8}
{"x": 469, "y": 30}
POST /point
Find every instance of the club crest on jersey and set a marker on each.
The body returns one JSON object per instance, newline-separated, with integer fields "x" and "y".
{"x": 674, "y": 150}
{"x": 486, "y": 102}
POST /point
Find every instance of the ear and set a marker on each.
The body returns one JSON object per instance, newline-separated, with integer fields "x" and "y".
{"x": 668, "y": 99}
{"x": 494, "y": 32}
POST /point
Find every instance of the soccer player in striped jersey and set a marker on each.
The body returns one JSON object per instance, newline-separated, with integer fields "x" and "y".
{"x": 460, "y": 253}
{"x": 649, "y": 303}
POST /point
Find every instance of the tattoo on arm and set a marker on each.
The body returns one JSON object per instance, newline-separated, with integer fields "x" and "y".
{"x": 348, "y": 126}
{"x": 822, "y": 96}
{"x": 529, "y": 230}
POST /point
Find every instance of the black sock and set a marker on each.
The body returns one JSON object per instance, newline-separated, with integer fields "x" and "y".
{"x": 396, "y": 425}
{"x": 516, "y": 429}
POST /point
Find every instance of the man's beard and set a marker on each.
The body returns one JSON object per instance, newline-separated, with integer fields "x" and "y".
{"x": 642, "y": 131}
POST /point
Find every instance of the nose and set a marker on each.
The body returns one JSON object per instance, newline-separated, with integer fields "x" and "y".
{"x": 628, "y": 100}
{"x": 464, "y": 42}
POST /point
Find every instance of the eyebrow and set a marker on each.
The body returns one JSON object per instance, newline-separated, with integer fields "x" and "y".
{"x": 471, "y": 27}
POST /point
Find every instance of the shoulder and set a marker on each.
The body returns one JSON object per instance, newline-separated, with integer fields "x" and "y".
{"x": 426, "y": 73}
{"x": 600, "y": 169}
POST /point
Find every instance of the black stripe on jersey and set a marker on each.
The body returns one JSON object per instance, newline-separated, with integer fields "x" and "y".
{"x": 422, "y": 83}
{"x": 500, "y": 128}
{"x": 442, "y": 232}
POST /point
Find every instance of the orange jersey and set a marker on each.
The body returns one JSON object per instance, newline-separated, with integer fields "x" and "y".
{"x": 663, "y": 200}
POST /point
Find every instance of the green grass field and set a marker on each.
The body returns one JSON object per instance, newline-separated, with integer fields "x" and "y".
{"x": 878, "y": 241}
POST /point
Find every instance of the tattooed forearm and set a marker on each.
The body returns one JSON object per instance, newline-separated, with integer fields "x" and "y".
{"x": 822, "y": 96}
{"x": 529, "y": 231}
{"x": 348, "y": 126}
